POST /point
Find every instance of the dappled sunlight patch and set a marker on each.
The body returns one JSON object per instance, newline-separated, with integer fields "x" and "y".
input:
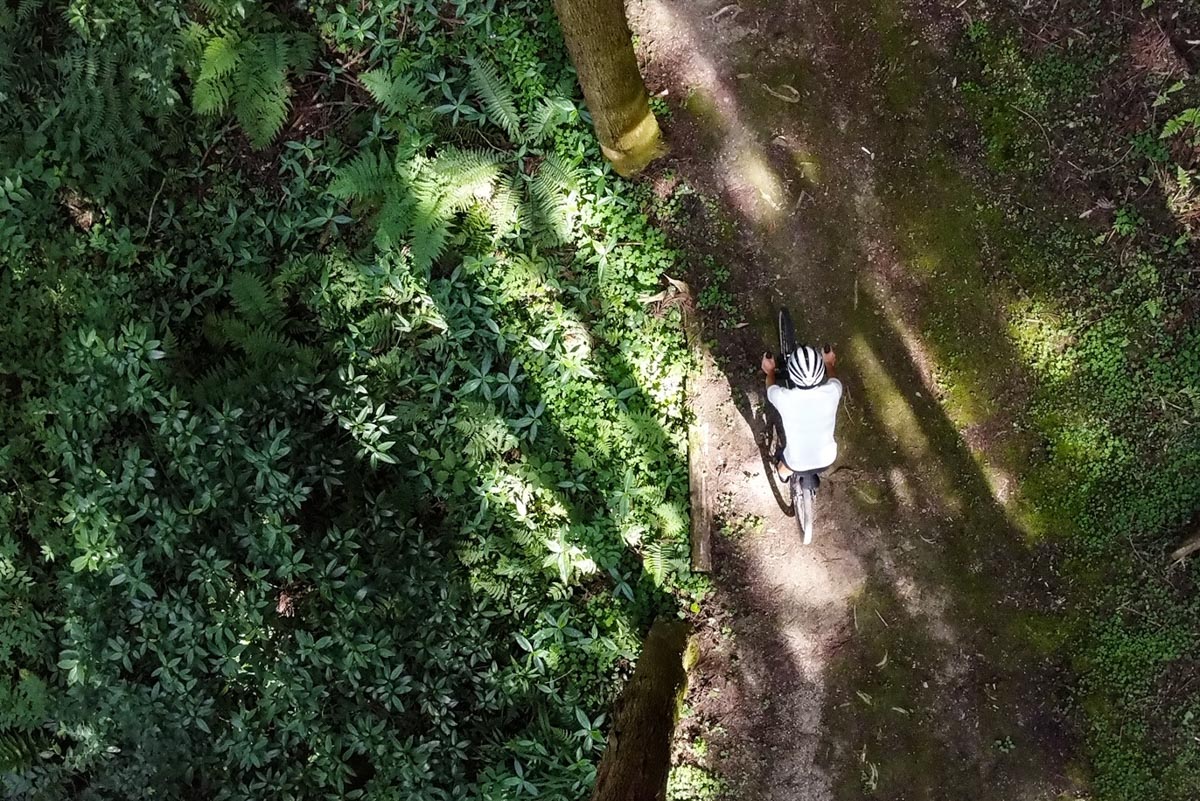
{"x": 896, "y": 414}
{"x": 1044, "y": 339}
{"x": 969, "y": 410}
{"x": 963, "y": 406}
{"x": 747, "y": 177}
{"x": 901, "y": 489}
{"x": 799, "y": 584}
{"x": 752, "y": 171}
{"x": 804, "y": 158}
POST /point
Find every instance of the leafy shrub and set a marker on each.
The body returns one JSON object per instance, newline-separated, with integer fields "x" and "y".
{"x": 357, "y": 475}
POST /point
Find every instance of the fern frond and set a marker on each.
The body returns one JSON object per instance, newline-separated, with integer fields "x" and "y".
{"x": 560, "y": 176}
{"x": 393, "y": 222}
{"x": 261, "y": 98}
{"x": 428, "y": 244}
{"x": 221, "y": 329}
{"x": 301, "y": 51}
{"x": 217, "y": 9}
{"x": 673, "y": 520}
{"x": 497, "y": 589}
{"x": 429, "y": 210}
{"x": 366, "y": 177}
{"x": 551, "y": 189}
{"x": 654, "y": 560}
{"x": 549, "y": 114}
{"x": 211, "y": 97}
{"x": 305, "y": 358}
{"x": 294, "y": 272}
{"x": 498, "y": 98}
{"x": 25, "y": 9}
{"x": 16, "y": 751}
{"x": 396, "y": 93}
{"x": 192, "y": 39}
{"x": 221, "y": 56}
{"x": 466, "y": 177}
{"x": 377, "y": 328}
{"x": 504, "y": 206}
{"x": 264, "y": 344}
{"x": 254, "y": 300}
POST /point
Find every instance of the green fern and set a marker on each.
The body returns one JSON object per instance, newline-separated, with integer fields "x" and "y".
{"x": 429, "y": 243}
{"x": 498, "y": 99}
{"x": 368, "y": 176}
{"x": 504, "y": 206}
{"x": 394, "y": 220}
{"x": 465, "y": 178}
{"x": 254, "y": 300}
{"x": 248, "y": 76}
{"x": 418, "y": 203}
{"x": 396, "y": 93}
{"x": 16, "y": 751}
{"x": 254, "y": 345}
{"x": 655, "y": 561}
{"x": 222, "y": 55}
{"x": 1189, "y": 118}
{"x": 672, "y": 519}
{"x": 551, "y": 190}
{"x": 549, "y": 114}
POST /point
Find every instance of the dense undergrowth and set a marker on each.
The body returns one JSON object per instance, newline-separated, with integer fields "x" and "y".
{"x": 1106, "y": 319}
{"x": 348, "y": 467}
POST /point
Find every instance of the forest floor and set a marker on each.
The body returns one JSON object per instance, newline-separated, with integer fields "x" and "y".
{"x": 908, "y": 653}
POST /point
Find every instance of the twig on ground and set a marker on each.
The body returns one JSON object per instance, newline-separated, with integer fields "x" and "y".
{"x": 793, "y": 97}
{"x": 153, "y": 201}
{"x": 732, "y": 8}
{"x": 1037, "y": 122}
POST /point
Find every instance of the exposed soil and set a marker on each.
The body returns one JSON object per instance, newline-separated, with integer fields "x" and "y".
{"x": 910, "y": 652}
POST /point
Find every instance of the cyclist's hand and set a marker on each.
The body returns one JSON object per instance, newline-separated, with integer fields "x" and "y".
{"x": 768, "y": 363}
{"x": 830, "y": 356}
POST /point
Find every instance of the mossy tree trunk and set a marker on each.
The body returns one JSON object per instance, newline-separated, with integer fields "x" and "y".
{"x": 637, "y": 757}
{"x": 601, "y": 49}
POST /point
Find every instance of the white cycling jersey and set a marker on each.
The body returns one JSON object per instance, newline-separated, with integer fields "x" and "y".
{"x": 808, "y": 419}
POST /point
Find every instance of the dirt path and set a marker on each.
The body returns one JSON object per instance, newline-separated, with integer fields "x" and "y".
{"x": 907, "y": 654}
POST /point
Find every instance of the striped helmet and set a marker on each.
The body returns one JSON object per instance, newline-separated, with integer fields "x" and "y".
{"x": 806, "y": 367}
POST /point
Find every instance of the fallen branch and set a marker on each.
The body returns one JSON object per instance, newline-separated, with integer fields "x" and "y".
{"x": 1189, "y": 547}
{"x": 1049, "y": 143}
{"x": 732, "y": 8}
{"x": 793, "y": 95}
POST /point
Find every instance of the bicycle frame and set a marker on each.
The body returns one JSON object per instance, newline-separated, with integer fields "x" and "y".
{"x": 802, "y": 485}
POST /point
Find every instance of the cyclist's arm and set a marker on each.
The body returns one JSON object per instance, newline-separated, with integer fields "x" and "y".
{"x": 768, "y": 367}
{"x": 830, "y": 357}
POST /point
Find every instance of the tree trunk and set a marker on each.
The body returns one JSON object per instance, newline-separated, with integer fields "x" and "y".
{"x": 601, "y": 49}
{"x": 637, "y": 758}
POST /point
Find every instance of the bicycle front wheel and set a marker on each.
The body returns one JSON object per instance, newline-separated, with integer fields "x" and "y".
{"x": 787, "y": 333}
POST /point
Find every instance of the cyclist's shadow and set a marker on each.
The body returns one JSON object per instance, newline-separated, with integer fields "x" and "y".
{"x": 767, "y": 428}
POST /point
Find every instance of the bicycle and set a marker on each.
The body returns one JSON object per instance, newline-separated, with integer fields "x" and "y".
{"x": 802, "y": 485}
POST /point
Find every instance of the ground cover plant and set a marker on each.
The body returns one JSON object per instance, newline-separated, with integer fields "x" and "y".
{"x": 342, "y": 457}
{"x": 1106, "y": 319}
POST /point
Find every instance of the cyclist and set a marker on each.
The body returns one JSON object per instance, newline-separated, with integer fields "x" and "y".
{"x": 807, "y": 409}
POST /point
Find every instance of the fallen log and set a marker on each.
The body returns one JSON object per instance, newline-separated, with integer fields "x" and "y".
{"x": 637, "y": 757}
{"x": 700, "y": 500}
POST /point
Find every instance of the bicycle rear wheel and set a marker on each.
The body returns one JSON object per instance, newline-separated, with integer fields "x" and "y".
{"x": 804, "y": 498}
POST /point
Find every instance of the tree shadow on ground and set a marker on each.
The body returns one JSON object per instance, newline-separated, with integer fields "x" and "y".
{"x": 817, "y": 130}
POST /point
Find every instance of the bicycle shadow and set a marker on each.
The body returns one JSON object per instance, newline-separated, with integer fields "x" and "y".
{"x": 767, "y": 426}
